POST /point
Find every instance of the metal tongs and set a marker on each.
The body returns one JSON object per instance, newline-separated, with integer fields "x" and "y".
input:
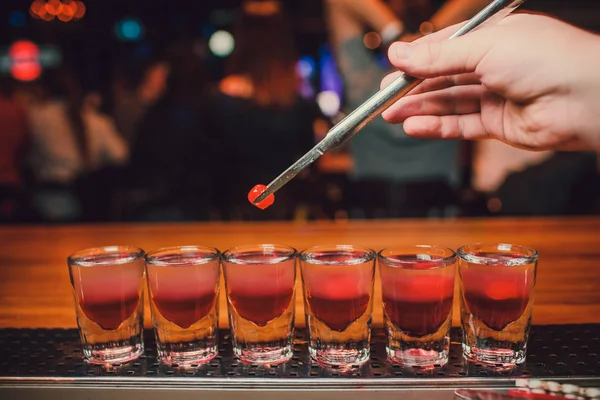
{"x": 379, "y": 102}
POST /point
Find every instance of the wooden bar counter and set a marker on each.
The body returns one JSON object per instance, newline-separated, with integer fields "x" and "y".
{"x": 35, "y": 291}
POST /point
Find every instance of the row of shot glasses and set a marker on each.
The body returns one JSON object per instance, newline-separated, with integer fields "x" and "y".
{"x": 417, "y": 286}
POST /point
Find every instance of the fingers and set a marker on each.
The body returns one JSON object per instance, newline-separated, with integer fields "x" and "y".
{"x": 440, "y": 35}
{"x": 389, "y": 78}
{"x": 433, "y": 56}
{"x": 443, "y": 82}
{"x": 451, "y": 100}
{"x": 429, "y": 85}
{"x": 469, "y": 126}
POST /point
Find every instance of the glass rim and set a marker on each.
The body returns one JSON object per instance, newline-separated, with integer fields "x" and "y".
{"x": 521, "y": 259}
{"x": 231, "y": 254}
{"x": 444, "y": 261}
{"x": 80, "y": 258}
{"x": 370, "y": 254}
{"x": 153, "y": 257}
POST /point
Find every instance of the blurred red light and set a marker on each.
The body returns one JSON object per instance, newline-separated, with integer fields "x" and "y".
{"x": 28, "y": 72}
{"x": 46, "y": 16}
{"x": 54, "y": 7}
{"x": 25, "y": 64}
{"x": 37, "y": 6}
{"x": 80, "y": 10}
{"x": 24, "y": 49}
{"x": 69, "y": 8}
{"x": 64, "y": 18}
{"x": 64, "y": 10}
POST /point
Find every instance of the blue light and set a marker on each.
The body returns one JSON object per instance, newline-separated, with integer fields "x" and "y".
{"x": 129, "y": 29}
{"x": 330, "y": 78}
{"x": 383, "y": 61}
{"x": 306, "y": 67}
{"x": 17, "y": 18}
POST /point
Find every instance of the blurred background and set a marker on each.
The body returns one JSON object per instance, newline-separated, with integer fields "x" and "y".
{"x": 153, "y": 110}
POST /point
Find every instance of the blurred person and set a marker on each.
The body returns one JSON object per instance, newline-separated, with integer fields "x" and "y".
{"x": 413, "y": 12}
{"x": 136, "y": 89}
{"x": 258, "y": 115}
{"x": 69, "y": 138}
{"x": 394, "y": 175}
{"x": 13, "y": 140}
{"x": 97, "y": 188}
{"x": 172, "y": 157}
{"x": 449, "y": 13}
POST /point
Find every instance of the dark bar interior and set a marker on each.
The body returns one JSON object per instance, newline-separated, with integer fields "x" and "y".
{"x": 146, "y": 123}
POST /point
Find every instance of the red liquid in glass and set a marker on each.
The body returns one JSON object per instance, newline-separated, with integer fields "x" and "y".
{"x": 338, "y": 295}
{"x": 182, "y": 310}
{"x": 338, "y": 313}
{"x": 184, "y": 294}
{"x": 108, "y": 295}
{"x": 497, "y": 294}
{"x": 260, "y": 308}
{"x": 417, "y": 293}
{"x": 261, "y": 289}
{"x": 418, "y": 318}
{"x": 109, "y": 312}
{"x": 497, "y": 314}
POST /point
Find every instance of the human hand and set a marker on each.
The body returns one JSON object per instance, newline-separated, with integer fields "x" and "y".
{"x": 530, "y": 81}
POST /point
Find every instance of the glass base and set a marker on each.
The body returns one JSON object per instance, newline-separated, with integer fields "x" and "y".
{"x": 186, "y": 354}
{"x": 264, "y": 355}
{"x": 503, "y": 358}
{"x": 418, "y": 357}
{"x": 112, "y": 352}
{"x": 339, "y": 356}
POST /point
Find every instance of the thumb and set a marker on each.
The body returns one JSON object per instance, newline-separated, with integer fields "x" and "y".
{"x": 433, "y": 58}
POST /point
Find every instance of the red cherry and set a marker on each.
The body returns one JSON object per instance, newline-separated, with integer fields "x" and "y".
{"x": 255, "y": 192}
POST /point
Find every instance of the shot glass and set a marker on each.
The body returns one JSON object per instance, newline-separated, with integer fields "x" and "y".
{"x": 338, "y": 298}
{"x": 497, "y": 283}
{"x": 183, "y": 284}
{"x": 260, "y": 282}
{"x": 417, "y": 286}
{"x": 108, "y": 288}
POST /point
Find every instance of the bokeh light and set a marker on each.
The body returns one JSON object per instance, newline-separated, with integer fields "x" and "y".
{"x": 37, "y": 8}
{"x": 330, "y": 77}
{"x": 68, "y": 10}
{"x": 306, "y": 67}
{"x": 329, "y": 102}
{"x": 63, "y": 10}
{"x": 221, "y": 43}
{"x": 426, "y": 28}
{"x": 17, "y": 18}
{"x": 129, "y": 29}
{"x": 80, "y": 12}
{"x": 372, "y": 40}
{"x": 25, "y": 64}
{"x": 53, "y": 7}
